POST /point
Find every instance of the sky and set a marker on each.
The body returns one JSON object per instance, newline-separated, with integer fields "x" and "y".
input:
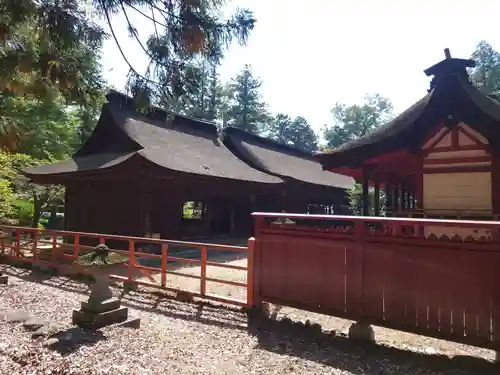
{"x": 313, "y": 54}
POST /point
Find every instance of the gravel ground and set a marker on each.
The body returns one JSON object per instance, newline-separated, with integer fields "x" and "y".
{"x": 190, "y": 338}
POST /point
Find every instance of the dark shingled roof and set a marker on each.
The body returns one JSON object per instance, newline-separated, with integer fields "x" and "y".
{"x": 281, "y": 160}
{"x": 81, "y": 164}
{"x": 451, "y": 94}
{"x": 181, "y": 144}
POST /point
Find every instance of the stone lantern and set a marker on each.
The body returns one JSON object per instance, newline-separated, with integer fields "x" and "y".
{"x": 101, "y": 309}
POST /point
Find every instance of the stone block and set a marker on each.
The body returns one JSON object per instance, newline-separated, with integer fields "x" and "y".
{"x": 34, "y": 324}
{"x": 101, "y": 306}
{"x": 361, "y": 332}
{"x": 92, "y": 320}
{"x": 18, "y": 316}
{"x": 131, "y": 323}
{"x": 4, "y": 279}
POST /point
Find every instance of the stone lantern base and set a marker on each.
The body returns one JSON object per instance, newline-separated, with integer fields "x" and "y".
{"x": 102, "y": 309}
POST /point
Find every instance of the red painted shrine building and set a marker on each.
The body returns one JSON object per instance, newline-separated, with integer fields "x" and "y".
{"x": 438, "y": 159}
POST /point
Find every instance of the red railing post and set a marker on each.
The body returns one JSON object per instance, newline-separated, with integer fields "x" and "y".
{"x": 252, "y": 287}
{"x": 359, "y": 232}
{"x": 76, "y": 248}
{"x": 131, "y": 259}
{"x": 164, "y": 263}
{"x": 54, "y": 248}
{"x": 18, "y": 244}
{"x": 35, "y": 246}
{"x": 203, "y": 276}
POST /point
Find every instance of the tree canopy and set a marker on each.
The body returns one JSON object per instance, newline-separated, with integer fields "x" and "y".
{"x": 52, "y": 38}
{"x": 354, "y": 121}
{"x": 486, "y": 74}
{"x": 293, "y": 132}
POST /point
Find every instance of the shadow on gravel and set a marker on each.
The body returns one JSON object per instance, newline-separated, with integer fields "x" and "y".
{"x": 336, "y": 350}
{"x": 283, "y": 336}
{"x": 72, "y": 339}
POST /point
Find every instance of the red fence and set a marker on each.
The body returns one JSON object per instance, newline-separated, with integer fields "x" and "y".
{"x": 433, "y": 277}
{"x": 392, "y": 272}
{"x": 149, "y": 260}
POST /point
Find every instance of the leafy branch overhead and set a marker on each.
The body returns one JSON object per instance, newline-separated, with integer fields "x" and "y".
{"x": 47, "y": 43}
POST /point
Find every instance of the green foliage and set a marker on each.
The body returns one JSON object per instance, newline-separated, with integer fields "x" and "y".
{"x": 201, "y": 97}
{"x": 185, "y": 31}
{"x": 355, "y": 121}
{"x": 297, "y": 132}
{"x": 19, "y": 188}
{"x": 23, "y": 211}
{"x": 48, "y": 46}
{"x": 7, "y": 198}
{"x": 486, "y": 74}
{"x": 46, "y": 128}
{"x": 193, "y": 210}
{"x": 247, "y": 110}
{"x": 356, "y": 199}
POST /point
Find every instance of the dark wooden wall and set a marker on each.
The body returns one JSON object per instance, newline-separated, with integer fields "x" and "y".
{"x": 141, "y": 206}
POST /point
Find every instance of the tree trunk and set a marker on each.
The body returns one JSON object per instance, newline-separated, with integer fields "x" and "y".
{"x": 37, "y": 211}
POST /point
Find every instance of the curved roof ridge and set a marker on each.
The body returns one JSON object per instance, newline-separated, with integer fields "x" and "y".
{"x": 232, "y": 131}
{"x": 158, "y": 114}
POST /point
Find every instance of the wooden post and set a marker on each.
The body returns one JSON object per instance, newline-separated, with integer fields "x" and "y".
{"x": 35, "y": 245}
{"x": 365, "y": 198}
{"x": 54, "y": 247}
{"x": 251, "y": 289}
{"x": 376, "y": 200}
{"x": 203, "y": 278}
{"x": 359, "y": 232}
{"x": 400, "y": 201}
{"x": 18, "y": 244}
{"x": 164, "y": 263}
{"x": 131, "y": 259}
{"x": 76, "y": 248}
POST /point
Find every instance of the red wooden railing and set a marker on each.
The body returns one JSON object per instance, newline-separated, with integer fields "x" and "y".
{"x": 58, "y": 249}
{"x": 392, "y": 272}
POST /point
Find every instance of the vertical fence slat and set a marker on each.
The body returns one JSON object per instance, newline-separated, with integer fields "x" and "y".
{"x": 251, "y": 298}
{"x": 164, "y": 263}
{"x": 203, "y": 279}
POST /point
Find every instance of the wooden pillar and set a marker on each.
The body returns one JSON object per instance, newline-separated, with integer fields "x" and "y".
{"x": 365, "y": 198}
{"x": 376, "y": 200}
{"x": 400, "y": 198}
{"x": 404, "y": 198}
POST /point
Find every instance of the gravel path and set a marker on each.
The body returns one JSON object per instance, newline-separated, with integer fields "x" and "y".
{"x": 189, "y": 338}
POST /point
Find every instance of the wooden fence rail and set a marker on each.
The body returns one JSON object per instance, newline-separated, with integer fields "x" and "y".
{"x": 147, "y": 257}
{"x": 391, "y": 272}
{"x": 432, "y": 277}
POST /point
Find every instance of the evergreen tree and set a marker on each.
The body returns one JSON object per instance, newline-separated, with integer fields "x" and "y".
{"x": 184, "y": 30}
{"x": 486, "y": 74}
{"x": 248, "y": 111}
{"x": 297, "y": 132}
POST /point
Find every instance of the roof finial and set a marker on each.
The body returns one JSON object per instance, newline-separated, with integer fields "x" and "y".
{"x": 447, "y": 53}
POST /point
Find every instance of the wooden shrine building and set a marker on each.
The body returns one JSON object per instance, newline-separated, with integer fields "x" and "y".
{"x": 309, "y": 189}
{"x": 439, "y": 159}
{"x": 138, "y": 170}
